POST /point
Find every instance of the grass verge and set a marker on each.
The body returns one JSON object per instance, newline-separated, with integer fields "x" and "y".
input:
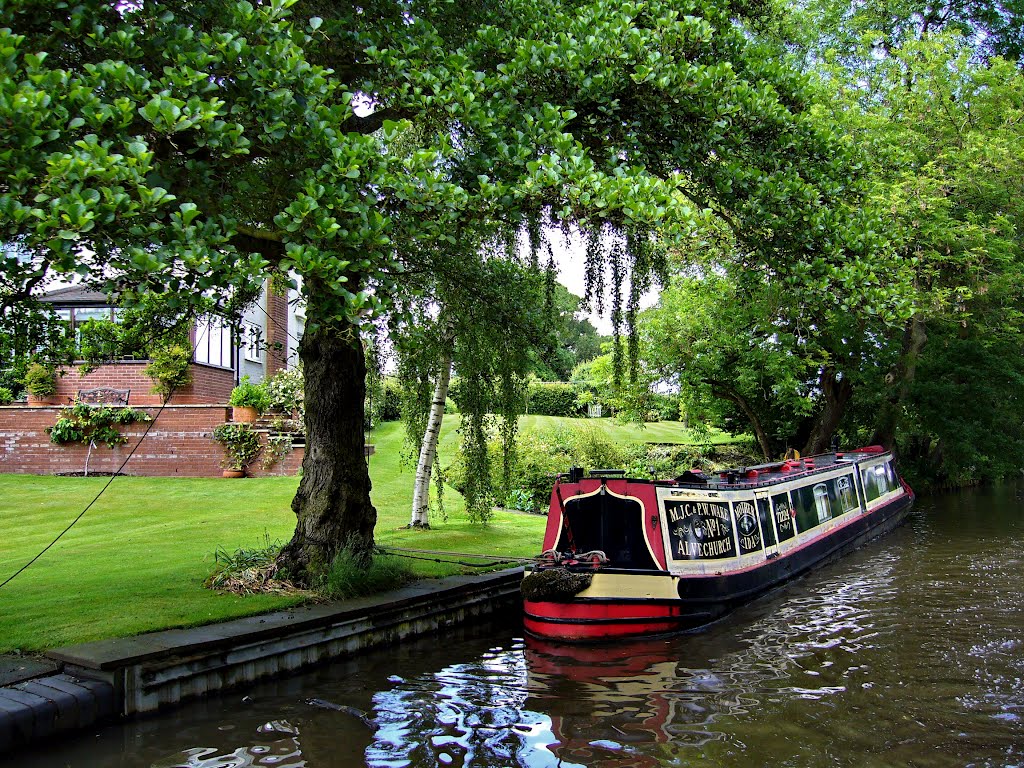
{"x": 138, "y": 559}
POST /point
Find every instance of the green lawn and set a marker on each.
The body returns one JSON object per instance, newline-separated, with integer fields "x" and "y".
{"x": 655, "y": 432}
{"x": 136, "y": 561}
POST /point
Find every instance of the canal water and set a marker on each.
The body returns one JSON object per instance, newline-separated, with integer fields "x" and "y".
{"x": 910, "y": 652}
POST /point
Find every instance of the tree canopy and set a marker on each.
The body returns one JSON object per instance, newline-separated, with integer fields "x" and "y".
{"x": 922, "y": 356}
{"x": 195, "y": 148}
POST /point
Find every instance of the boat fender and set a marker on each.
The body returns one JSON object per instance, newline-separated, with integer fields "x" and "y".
{"x": 556, "y": 585}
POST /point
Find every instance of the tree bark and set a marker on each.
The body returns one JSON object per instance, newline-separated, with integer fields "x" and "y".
{"x": 332, "y": 504}
{"x": 836, "y": 394}
{"x": 428, "y": 448}
{"x": 902, "y": 378}
{"x": 764, "y": 442}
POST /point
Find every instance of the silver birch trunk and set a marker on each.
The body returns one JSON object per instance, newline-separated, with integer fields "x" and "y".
{"x": 428, "y": 448}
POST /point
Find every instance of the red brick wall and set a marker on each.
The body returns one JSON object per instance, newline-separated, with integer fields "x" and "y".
{"x": 277, "y": 331}
{"x": 180, "y": 444}
{"x": 209, "y": 385}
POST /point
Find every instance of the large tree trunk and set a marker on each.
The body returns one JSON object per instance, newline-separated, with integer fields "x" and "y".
{"x": 718, "y": 389}
{"x": 836, "y": 394}
{"x": 428, "y": 448}
{"x": 900, "y": 380}
{"x": 333, "y": 501}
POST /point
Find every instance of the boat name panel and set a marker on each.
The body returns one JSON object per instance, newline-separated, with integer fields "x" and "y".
{"x": 699, "y": 530}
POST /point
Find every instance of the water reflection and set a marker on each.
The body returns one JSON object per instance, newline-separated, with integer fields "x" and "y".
{"x": 280, "y": 748}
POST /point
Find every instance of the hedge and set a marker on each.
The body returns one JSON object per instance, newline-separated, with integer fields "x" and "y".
{"x": 553, "y": 398}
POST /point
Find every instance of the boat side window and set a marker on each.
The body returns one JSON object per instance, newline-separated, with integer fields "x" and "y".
{"x": 811, "y": 504}
{"x": 783, "y": 511}
{"x": 764, "y": 513}
{"x": 845, "y": 494}
{"x": 747, "y": 527}
{"x": 879, "y": 480}
{"x": 699, "y": 530}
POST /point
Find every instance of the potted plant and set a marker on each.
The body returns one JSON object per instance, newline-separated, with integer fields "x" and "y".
{"x": 248, "y": 401}
{"x": 241, "y": 445}
{"x": 41, "y": 383}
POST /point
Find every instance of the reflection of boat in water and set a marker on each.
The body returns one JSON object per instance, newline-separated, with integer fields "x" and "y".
{"x": 626, "y": 557}
{"x": 630, "y": 705}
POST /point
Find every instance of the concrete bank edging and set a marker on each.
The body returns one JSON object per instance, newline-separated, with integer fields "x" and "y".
{"x": 136, "y": 675}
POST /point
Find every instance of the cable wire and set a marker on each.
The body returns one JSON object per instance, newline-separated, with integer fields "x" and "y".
{"x": 96, "y": 498}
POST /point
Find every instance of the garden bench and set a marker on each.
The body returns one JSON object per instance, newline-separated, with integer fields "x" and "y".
{"x": 103, "y": 396}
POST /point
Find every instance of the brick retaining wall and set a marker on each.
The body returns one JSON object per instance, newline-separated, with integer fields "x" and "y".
{"x": 180, "y": 444}
{"x": 209, "y": 383}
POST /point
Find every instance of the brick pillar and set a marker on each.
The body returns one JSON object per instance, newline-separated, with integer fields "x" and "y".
{"x": 277, "y": 331}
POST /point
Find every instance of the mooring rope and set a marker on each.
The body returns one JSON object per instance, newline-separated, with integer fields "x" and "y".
{"x": 493, "y": 559}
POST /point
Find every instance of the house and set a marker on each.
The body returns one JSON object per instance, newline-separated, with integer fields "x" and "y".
{"x": 177, "y": 440}
{"x": 265, "y": 342}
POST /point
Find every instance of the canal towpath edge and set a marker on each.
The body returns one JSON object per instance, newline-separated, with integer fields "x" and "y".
{"x": 79, "y": 686}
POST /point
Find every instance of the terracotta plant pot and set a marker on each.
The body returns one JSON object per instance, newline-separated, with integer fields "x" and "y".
{"x": 233, "y": 473}
{"x": 244, "y": 414}
{"x": 45, "y": 400}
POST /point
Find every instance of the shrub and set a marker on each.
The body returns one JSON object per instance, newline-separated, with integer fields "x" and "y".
{"x": 286, "y": 393}
{"x": 6, "y": 396}
{"x": 667, "y": 407}
{"x": 241, "y": 444}
{"x": 249, "y": 395}
{"x": 539, "y": 457}
{"x": 591, "y": 447}
{"x": 455, "y": 395}
{"x": 350, "y": 577}
{"x": 95, "y": 424}
{"x": 553, "y": 398}
{"x": 387, "y": 405}
{"x": 169, "y": 369}
{"x": 41, "y": 380}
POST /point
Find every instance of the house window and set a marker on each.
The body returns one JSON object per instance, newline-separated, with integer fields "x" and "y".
{"x": 252, "y": 342}
{"x": 213, "y": 343}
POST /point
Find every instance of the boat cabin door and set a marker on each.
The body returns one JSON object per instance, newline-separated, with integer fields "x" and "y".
{"x": 766, "y": 521}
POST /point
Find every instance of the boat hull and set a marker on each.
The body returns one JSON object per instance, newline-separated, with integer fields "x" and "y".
{"x": 697, "y": 600}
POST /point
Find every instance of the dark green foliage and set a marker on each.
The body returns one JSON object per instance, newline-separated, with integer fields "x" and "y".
{"x": 170, "y": 369}
{"x": 667, "y": 407}
{"x": 241, "y": 444}
{"x": 966, "y": 422}
{"x": 95, "y": 424}
{"x": 387, "y": 403}
{"x": 455, "y": 393}
{"x": 249, "y": 395}
{"x": 40, "y": 380}
{"x": 350, "y": 576}
{"x": 552, "y": 398}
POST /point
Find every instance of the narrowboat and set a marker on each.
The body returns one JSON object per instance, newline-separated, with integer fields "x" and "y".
{"x": 630, "y": 557}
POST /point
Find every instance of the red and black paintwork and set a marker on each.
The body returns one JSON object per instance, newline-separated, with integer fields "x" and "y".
{"x": 681, "y": 599}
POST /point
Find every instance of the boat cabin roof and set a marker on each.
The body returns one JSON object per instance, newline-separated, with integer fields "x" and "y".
{"x": 760, "y": 475}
